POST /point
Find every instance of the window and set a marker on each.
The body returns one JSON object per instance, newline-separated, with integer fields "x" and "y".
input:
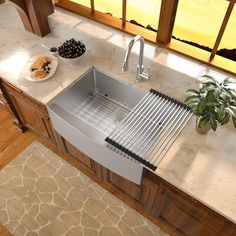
{"x": 147, "y": 17}
{"x": 194, "y": 20}
{"x": 82, "y": 2}
{"x": 109, "y": 7}
{"x": 199, "y": 29}
{"x": 229, "y": 38}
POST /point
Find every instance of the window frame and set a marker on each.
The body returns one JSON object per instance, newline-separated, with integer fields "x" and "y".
{"x": 163, "y": 37}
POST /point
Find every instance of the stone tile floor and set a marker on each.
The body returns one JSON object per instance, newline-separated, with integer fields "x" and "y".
{"x": 41, "y": 194}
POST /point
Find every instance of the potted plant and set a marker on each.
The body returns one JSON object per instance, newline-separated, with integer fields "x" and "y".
{"x": 213, "y": 104}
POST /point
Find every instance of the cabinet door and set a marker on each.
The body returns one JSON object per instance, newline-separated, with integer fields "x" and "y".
{"x": 6, "y": 104}
{"x": 32, "y": 118}
{"x": 32, "y": 114}
{"x": 229, "y": 229}
{"x": 125, "y": 185}
{"x": 187, "y": 217}
{"x": 74, "y": 152}
{"x": 149, "y": 192}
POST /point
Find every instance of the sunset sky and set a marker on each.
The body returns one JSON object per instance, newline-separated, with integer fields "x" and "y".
{"x": 196, "y": 20}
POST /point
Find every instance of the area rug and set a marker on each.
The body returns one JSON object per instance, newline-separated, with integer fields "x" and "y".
{"x": 41, "y": 194}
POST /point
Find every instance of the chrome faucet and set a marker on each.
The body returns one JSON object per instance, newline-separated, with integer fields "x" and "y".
{"x": 141, "y": 75}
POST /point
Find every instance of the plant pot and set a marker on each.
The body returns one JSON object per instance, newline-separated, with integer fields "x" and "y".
{"x": 203, "y": 130}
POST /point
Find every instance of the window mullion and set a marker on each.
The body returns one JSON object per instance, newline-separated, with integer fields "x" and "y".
{"x": 124, "y": 5}
{"x": 92, "y": 6}
{"x": 166, "y": 20}
{"x": 222, "y": 28}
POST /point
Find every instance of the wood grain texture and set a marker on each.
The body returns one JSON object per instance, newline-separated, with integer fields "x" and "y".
{"x": 166, "y": 20}
{"x": 92, "y": 6}
{"x": 7, "y": 103}
{"x": 34, "y": 15}
{"x": 222, "y": 29}
{"x": 12, "y": 142}
{"x": 4, "y": 231}
{"x": 31, "y": 114}
{"x": 124, "y": 10}
{"x": 8, "y": 133}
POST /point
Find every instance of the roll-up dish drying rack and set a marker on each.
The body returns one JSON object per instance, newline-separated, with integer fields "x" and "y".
{"x": 149, "y": 129}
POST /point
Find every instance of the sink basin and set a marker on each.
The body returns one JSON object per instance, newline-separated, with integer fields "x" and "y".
{"x": 89, "y": 110}
{"x": 117, "y": 125}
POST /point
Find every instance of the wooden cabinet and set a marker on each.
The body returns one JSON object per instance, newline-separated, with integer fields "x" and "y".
{"x": 28, "y": 112}
{"x": 130, "y": 188}
{"x": 78, "y": 155}
{"x": 5, "y": 103}
{"x": 185, "y": 214}
{"x": 182, "y": 214}
{"x": 228, "y": 229}
{"x": 2, "y": 100}
{"x": 169, "y": 205}
{"x": 149, "y": 191}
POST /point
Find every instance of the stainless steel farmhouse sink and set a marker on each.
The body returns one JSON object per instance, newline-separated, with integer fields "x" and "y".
{"x": 87, "y": 112}
{"x": 116, "y": 124}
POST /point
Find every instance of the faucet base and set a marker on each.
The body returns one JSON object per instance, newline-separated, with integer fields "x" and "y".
{"x": 141, "y": 75}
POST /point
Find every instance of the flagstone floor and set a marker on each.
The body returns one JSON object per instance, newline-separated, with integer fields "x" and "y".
{"x": 41, "y": 194}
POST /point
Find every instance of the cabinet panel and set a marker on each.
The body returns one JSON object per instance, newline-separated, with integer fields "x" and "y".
{"x": 70, "y": 149}
{"x": 31, "y": 114}
{"x": 125, "y": 185}
{"x": 229, "y": 229}
{"x": 149, "y": 192}
{"x": 184, "y": 215}
{"x": 6, "y": 104}
{"x": 32, "y": 118}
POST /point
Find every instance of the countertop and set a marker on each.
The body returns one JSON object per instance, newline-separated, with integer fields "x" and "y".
{"x": 203, "y": 166}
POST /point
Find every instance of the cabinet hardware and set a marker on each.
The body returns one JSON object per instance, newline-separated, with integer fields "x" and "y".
{"x": 162, "y": 191}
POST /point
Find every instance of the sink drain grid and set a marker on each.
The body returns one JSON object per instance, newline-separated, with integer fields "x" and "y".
{"x": 100, "y": 112}
{"x": 149, "y": 130}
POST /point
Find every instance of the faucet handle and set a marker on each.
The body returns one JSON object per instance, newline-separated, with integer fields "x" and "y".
{"x": 147, "y": 75}
{"x": 142, "y": 75}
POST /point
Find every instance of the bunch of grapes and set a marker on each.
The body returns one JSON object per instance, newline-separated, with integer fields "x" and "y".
{"x": 71, "y": 49}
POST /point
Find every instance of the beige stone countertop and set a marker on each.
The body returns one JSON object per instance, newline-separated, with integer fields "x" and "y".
{"x": 202, "y": 166}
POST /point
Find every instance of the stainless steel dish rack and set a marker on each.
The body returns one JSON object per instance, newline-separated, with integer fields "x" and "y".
{"x": 150, "y": 128}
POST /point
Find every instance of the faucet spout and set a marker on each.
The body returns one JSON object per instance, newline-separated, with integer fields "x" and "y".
{"x": 140, "y": 67}
{"x": 125, "y": 66}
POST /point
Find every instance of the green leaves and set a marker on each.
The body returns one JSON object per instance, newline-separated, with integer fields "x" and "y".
{"x": 203, "y": 122}
{"x": 214, "y": 102}
{"x": 213, "y": 124}
{"x": 192, "y": 91}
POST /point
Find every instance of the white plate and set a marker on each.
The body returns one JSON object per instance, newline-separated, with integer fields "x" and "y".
{"x": 53, "y": 65}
